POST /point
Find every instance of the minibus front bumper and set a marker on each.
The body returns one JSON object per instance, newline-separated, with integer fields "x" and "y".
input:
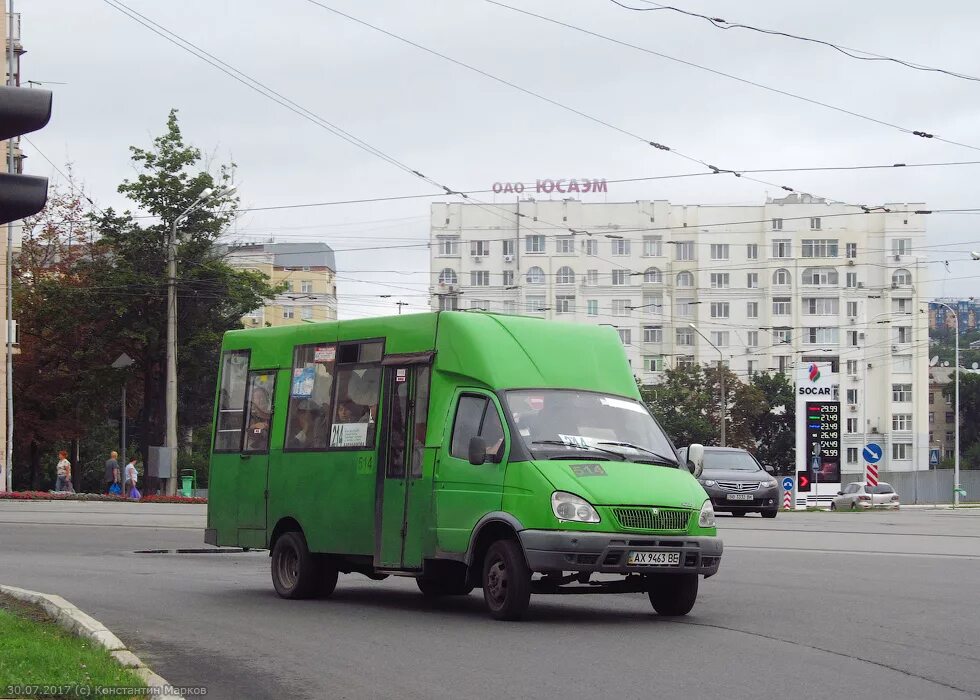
{"x": 549, "y": 551}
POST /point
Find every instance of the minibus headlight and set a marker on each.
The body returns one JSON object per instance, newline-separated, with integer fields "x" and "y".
{"x": 707, "y": 516}
{"x": 572, "y": 508}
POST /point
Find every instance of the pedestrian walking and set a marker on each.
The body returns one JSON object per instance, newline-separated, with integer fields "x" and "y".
{"x": 63, "y": 483}
{"x": 111, "y": 475}
{"x": 131, "y": 476}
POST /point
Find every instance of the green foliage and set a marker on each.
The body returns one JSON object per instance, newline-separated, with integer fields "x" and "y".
{"x": 942, "y": 342}
{"x": 969, "y": 417}
{"x": 775, "y": 428}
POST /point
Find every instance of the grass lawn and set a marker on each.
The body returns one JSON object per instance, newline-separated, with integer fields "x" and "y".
{"x": 35, "y": 652}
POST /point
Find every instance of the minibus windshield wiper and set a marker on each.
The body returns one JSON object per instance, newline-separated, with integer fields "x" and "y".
{"x": 666, "y": 460}
{"x": 622, "y": 457}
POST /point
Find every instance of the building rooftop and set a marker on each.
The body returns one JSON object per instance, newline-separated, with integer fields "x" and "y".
{"x": 311, "y": 254}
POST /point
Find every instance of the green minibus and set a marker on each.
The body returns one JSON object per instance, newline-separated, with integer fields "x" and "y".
{"x": 464, "y": 449}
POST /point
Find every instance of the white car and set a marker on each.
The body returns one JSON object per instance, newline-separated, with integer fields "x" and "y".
{"x": 858, "y": 495}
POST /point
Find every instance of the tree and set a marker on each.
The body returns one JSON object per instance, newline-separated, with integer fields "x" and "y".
{"x": 969, "y": 417}
{"x": 774, "y": 429}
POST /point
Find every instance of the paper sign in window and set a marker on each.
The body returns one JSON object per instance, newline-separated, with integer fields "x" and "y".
{"x": 349, "y": 434}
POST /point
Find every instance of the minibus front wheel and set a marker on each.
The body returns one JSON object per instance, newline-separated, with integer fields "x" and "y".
{"x": 506, "y": 580}
{"x": 673, "y": 595}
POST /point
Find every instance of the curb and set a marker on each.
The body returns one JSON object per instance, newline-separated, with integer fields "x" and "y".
{"x": 81, "y": 624}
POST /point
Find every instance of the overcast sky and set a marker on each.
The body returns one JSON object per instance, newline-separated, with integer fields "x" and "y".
{"x": 468, "y": 132}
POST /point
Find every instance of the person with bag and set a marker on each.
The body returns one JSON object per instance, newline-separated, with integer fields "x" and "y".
{"x": 111, "y": 476}
{"x": 63, "y": 483}
{"x": 131, "y": 476}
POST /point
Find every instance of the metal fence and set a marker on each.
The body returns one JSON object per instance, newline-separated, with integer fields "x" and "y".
{"x": 933, "y": 486}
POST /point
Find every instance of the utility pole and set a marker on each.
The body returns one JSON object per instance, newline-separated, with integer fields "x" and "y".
{"x": 956, "y": 440}
{"x": 400, "y": 304}
{"x": 9, "y": 381}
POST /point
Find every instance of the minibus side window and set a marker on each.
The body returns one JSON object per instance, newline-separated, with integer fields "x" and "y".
{"x": 310, "y": 397}
{"x": 258, "y": 420}
{"x": 358, "y": 390}
{"x": 231, "y": 401}
{"x": 476, "y": 416}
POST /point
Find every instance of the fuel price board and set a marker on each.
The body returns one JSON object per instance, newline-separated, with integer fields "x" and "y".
{"x": 823, "y": 441}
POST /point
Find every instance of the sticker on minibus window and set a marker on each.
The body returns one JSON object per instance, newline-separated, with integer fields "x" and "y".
{"x": 325, "y": 354}
{"x": 621, "y": 403}
{"x": 349, "y": 435}
{"x": 303, "y": 380}
{"x": 401, "y": 375}
{"x": 577, "y": 440}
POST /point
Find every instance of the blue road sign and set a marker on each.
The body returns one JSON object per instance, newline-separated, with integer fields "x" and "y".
{"x": 873, "y": 453}
{"x": 788, "y": 483}
{"x": 934, "y": 456}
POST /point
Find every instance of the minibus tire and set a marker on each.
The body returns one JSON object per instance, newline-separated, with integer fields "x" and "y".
{"x": 673, "y": 595}
{"x": 435, "y": 588}
{"x": 506, "y": 580}
{"x": 326, "y": 580}
{"x": 294, "y": 569}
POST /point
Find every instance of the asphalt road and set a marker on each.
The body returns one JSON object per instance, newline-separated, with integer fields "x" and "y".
{"x": 865, "y": 605}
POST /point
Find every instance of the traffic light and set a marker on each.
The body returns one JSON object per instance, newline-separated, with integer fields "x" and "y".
{"x": 22, "y": 110}
{"x": 802, "y": 481}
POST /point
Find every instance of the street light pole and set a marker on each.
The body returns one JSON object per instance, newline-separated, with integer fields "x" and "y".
{"x": 956, "y": 415}
{"x": 170, "y": 438}
{"x": 721, "y": 382}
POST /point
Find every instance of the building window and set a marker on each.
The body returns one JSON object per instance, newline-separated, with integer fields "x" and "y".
{"x": 852, "y": 367}
{"x": 685, "y": 279}
{"x": 783, "y": 335}
{"x": 782, "y": 306}
{"x": 752, "y": 339}
{"x": 509, "y": 246}
{"x": 685, "y": 362}
{"x": 750, "y": 367}
{"x": 852, "y": 339}
{"x": 852, "y": 425}
{"x": 901, "y": 450}
{"x": 901, "y": 393}
{"x": 815, "y": 223}
{"x": 820, "y": 276}
{"x": 535, "y": 275}
{"x": 852, "y": 396}
{"x": 685, "y": 250}
{"x": 752, "y": 280}
{"x": 820, "y": 248}
{"x": 902, "y": 306}
{"x": 752, "y": 309}
{"x": 306, "y": 313}
{"x": 479, "y": 248}
{"x": 480, "y": 278}
{"x": 565, "y": 304}
{"x": 479, "y": 305}
{"x": 653, "y": 246}
{"x": 592, "y": 307}
{"x": 288, "y": 312}
{"x": 720, "y": 338}
{"x": 508, "y": 278}
{"x": 821, "y": 306}
{"x": 782, "y": 248}
{"x": 448, "y": 302}
{"x": 852, "y": 309}
{"x": 534, "y": 244}
{"x": 448, "y": 276}
{"x": 591, "y": 246}
{"x": 752, "y": 251}
{"x": 620, "y": 277}
{"x": 625, "y": 335}
{"x": 820, "y": 336}
{"x": 901, "y": 421}
{"x": 653, "y": 334}
{"x": 720, "y": 280}
{"x": 620, "y": 247}
{"x": 652, "y": 275}
{"x": 852, "y": 455}
{"x": 565, "y": 275}
{"x": 784, "y": 363}
{"x": 620, "y": 307}
{"x": 509, "y": 306}
{"x": 534, "y": 303}
{"x": 781, "y": 277}
{"x": 902, "y": 278}
{"x": 852, "y": 280}
{"x": 851, "y": 250}
{"x": 777, "y": 224}
{"x": 950, "y": 417}
{"x": 902, "y": 246}
{"x": 684, "y": 308}
{"x": 653, "y": 364}
{"x": 592, "y": 277}
{"x": 932, "y": 398}
{"x": 449, "y": 245}
{"x": 651, "y": 304}
{"x": 903, "y": 334}
{"x": 719, "y": 251}
{"x": 719, "y": 309}
{"x": 685, "y": 336}
{"x": 565, "y": 245}
{"x": 306, "y": 286}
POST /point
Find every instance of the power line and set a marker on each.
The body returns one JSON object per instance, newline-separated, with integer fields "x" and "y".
{"x": 826, "y": 105}
{"x": 858, "y": 54}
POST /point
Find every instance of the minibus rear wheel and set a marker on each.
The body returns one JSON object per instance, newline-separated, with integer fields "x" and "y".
{"x": 506, "y": 580}
{"x": 434, "y": 588}
{"x": 294, "y": 569}
{"x": 673, "y": 595}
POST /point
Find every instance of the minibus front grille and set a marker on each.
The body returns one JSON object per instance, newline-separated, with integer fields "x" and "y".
{"x": 661, "y": 519}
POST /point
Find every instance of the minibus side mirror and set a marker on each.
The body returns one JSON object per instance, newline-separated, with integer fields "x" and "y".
{"x": 695, "y": 459}
{"x": 477, "y": 450}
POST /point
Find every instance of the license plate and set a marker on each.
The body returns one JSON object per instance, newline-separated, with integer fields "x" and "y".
{"x": 739, "y": 497}
{"x": 653, "y": 558}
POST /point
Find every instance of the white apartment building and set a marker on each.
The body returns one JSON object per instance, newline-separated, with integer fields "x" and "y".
{"x": 794, "y": 279}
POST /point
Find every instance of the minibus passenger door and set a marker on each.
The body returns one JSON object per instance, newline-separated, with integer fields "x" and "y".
{"x": 252, "y": 478}
{"x": 403, "y": 505}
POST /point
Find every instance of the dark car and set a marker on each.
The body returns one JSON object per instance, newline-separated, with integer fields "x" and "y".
{"x": 737, "y": 483}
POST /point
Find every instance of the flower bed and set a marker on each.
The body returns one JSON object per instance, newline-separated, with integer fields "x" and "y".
{"x": 61, "y": 496}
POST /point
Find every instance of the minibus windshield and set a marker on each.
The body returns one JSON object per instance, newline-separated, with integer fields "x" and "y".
{"x": 569, "y": 424}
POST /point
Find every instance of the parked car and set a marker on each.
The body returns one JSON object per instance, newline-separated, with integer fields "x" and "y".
{"x": 737, "y": 483}
{"x": 859, "y": 495}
